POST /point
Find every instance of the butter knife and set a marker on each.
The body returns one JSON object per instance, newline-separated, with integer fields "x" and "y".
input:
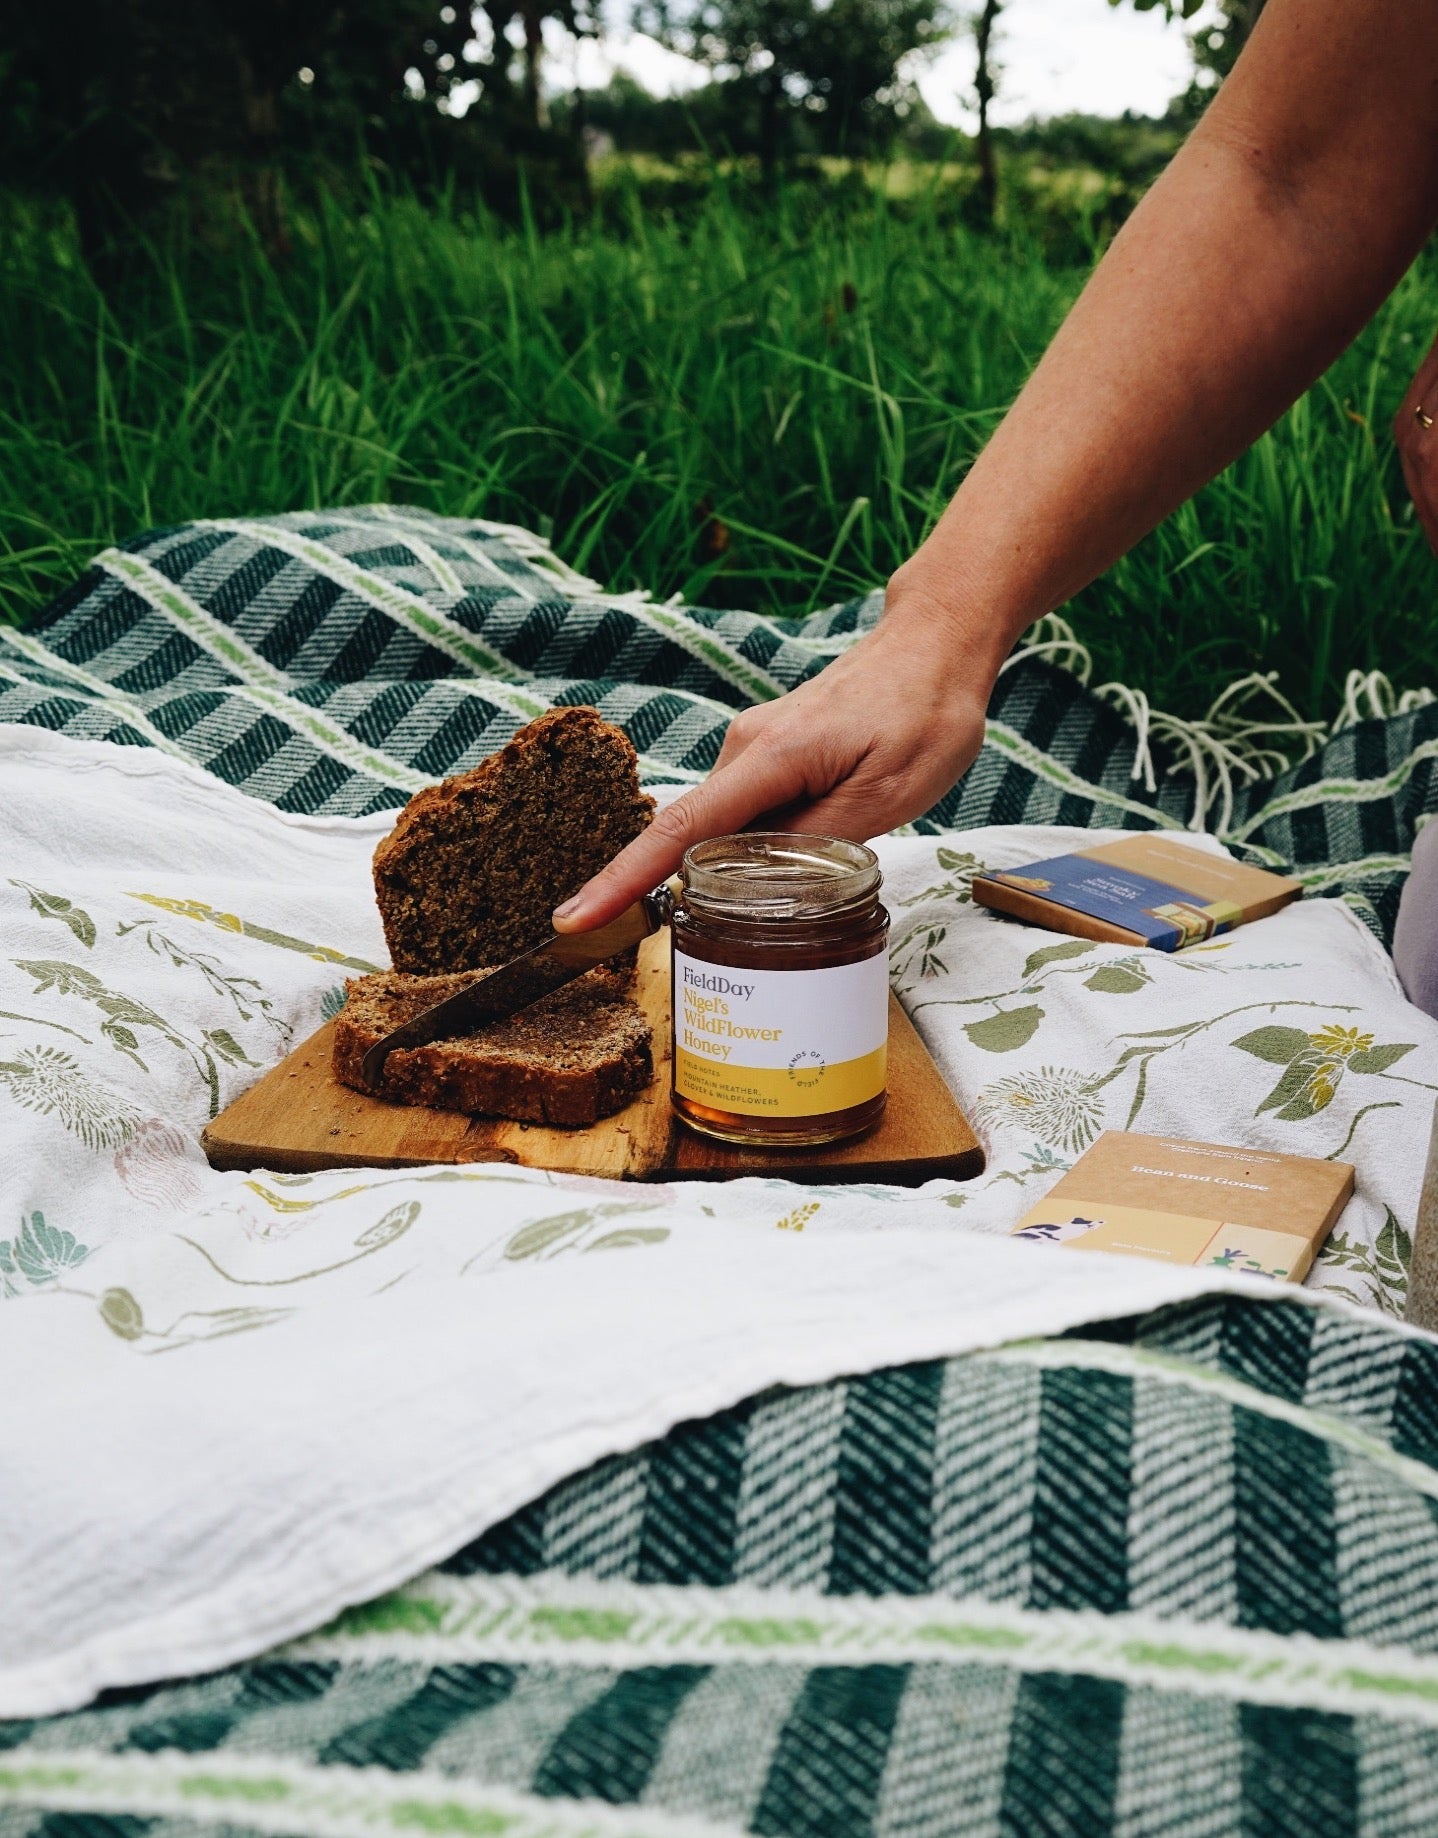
{"x": 496, "y": 994}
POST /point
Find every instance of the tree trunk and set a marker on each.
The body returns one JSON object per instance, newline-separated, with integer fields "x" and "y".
{"x": 769, "y": 126}
{"x": 263, "y": 185}
{"x": 533, "y": 18}
{"x": 987, "y": 194}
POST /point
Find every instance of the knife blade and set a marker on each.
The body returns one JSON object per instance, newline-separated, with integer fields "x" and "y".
{"x": 494, "y": 995}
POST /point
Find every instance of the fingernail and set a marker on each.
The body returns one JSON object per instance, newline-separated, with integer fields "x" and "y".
{"x": 568, "y": 909}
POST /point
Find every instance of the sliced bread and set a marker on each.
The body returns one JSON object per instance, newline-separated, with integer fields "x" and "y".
{"x": 474, "y": 867}
{"x": 578, "y": 1055}
{"x": 467, "y": 879}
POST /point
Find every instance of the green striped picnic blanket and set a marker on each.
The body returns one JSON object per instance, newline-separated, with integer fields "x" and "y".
{"x": 1176, "y": 1575}
{"x": 337, "y": 660}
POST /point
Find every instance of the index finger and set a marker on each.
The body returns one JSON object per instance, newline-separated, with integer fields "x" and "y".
{"x": 761, "y": 779}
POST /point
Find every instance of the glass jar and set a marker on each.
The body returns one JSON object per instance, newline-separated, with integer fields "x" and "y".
{"x": 781, "y": 989}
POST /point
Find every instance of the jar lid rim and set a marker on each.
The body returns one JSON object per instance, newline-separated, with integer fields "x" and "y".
{"x": 780, "y": 873}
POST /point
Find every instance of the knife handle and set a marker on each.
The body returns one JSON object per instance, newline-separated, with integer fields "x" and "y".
{"x": 630, "y": 927}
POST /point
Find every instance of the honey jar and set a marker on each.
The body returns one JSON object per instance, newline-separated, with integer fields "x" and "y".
{"x": 781, "y": 989}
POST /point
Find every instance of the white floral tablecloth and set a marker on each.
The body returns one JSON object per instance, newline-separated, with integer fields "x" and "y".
{"x": 371, "y": 1365}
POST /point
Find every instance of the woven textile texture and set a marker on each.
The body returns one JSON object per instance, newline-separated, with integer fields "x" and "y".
{"x": 1176, "y": 1576}
{"x": 336, "y": 661}
{"x": 1180, "y": 1577}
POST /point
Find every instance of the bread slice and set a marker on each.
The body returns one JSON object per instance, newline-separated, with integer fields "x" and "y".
{"x": 473, "y": 869}
{"x": 467, "y": 879}
{"x": 571, "y": 1059}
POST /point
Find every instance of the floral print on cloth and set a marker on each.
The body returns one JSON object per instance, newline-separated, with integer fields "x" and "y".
{"x": 1290, "y": 1034}
{"x": 228, "y": 1358}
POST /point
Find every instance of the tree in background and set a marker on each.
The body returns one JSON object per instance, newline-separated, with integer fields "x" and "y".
{"x": 578, "y": 17}
{"x": 113, "y": 102}
{"x": 986, "y": 195}
{"x": 837, "y": 63}
{"x": 852, "y": 61}
{"x": 1215, "y": 43}
{"x": 119, "y": 106}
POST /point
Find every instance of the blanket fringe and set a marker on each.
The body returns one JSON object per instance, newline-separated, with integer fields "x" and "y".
{"x": 1250, "y": 732}
{"x": 1373, "y": 696}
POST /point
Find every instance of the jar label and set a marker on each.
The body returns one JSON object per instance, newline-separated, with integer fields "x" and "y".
{"x": 780, "y": 1043}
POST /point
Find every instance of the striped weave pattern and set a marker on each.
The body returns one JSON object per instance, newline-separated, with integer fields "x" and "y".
{"x": 336, "y": 661}
{"x": 1178, "y": 1575}
{"x": 1175, "y": 1576}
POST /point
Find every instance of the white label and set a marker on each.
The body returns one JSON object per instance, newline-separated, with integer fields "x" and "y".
{"x": 780, "y": 1043}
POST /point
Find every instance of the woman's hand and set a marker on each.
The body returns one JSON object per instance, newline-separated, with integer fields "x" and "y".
{"x": 871, "y": 742}
{"x": 1415, "y": 431}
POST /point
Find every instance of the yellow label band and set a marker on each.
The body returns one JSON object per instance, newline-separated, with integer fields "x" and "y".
{"x": 804, "y": 1089}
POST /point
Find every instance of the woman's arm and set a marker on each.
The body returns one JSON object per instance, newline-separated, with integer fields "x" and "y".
{"x": 1272, "y": 238}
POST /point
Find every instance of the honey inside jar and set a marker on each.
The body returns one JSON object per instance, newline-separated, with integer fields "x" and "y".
{"x": 781, "y": 989}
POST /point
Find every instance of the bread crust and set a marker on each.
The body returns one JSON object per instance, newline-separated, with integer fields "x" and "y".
{"x": 579, "y": 1055}
{"x": 474, "y": 866}
{"x": 466, "y": 880}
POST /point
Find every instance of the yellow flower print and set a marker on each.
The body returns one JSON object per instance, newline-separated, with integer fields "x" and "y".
{"x": 1341, "y": 1041}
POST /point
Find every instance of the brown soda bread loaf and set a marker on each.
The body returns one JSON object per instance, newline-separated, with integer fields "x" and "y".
{"x": 570, "y": 1059}
{"x": 467, "y": 879}
{"x": 474, "y": 867}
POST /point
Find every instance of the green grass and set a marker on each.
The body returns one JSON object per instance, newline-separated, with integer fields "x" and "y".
{"x": 815, "y": 372}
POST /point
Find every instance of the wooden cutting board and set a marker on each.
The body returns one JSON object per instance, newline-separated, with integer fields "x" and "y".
{"x": 299, "y": 1118}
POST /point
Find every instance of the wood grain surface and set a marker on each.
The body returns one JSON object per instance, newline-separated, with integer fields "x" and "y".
{"x": 299, "y": 1118}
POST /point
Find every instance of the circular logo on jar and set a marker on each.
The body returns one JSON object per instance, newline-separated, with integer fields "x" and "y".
{"x": 806, "y": 1068}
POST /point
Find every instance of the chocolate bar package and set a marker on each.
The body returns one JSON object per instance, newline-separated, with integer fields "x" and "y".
{"x": 1194, "y": 1203}
{"x": 1142, "y": 890}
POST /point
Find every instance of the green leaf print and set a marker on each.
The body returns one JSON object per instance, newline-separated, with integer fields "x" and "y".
{"x": 56, "y": 906}
{"x": 1053, "y": 954}
{"x": 244, "y": 992}
{"x": 65, "y": 979}
{"x": 629, "y": 1235}
{"x": 228, "y": 1048}
{"x": 1273, "y": 1044}
{"x": 124, "y": 1017}
{"x": 395, "y": 1223}
{"x": 1394, "y": 1247}
{"x": 1315, "y": 1065}
{"x": 122, "y": 1314}
{"x": 39, "y": 1253}
{"x": 1385, "y": 1265}
{"x": 1276, "y": 1045}
{"x": 921, "y": 942}
{"x": 50, "y": 1081}
{"x": 1378, "y": 1059}
{"x": 548, "y": 1235}
{"x": 1006, "y": 1032}
{"x": 42, "y": 1252}
{"x": 215, "y": 1323}
{"x": 563, "y": 1231}
{"x": 960, "y": 868}
{"x": 1307, "y": 1086}
{"x": 1116, "y": 980}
